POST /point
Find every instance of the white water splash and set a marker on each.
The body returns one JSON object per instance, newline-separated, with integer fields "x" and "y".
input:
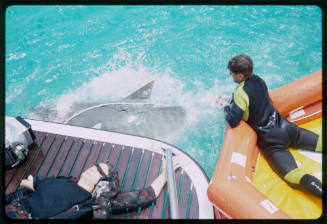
{"x": 167, "y": 90}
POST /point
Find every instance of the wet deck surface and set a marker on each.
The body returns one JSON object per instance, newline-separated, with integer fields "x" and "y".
{"x": 57, "y": 155}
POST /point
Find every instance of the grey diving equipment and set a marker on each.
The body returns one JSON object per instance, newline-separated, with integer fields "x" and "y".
{"x": 19, "y": 139}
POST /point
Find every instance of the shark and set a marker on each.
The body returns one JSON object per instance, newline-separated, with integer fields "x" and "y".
{"x": 134, "y": 114}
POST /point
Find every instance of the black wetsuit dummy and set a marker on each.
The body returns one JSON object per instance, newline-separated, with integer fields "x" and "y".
{"x": 251, "y": 103}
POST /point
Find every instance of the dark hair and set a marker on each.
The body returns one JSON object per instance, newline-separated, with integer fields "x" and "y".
{"x": 241, "y": 64}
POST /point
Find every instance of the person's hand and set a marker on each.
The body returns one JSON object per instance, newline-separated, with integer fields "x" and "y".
{"x": 177, "y": 162}
{"x": 221, "y": 102}
{"x": 160, "y": 181}
{"x": 28, "y": 183}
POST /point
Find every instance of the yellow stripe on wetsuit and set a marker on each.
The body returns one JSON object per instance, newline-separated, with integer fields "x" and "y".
{"x": 294, "y": 176}
{"x": 241, "y": 99}
{"x": 319, "y": 144}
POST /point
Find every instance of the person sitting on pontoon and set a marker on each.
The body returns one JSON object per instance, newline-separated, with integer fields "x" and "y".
{"x": 251, "y": 103}
{"x": 95, "y": 195}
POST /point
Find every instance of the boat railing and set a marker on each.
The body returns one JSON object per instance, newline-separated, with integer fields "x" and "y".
{"x": 171, "y": 185}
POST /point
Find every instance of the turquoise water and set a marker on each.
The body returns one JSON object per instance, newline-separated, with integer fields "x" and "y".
{"x": 56, "y": 55}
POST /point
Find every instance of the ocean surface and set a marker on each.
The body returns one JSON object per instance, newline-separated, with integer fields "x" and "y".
{"x": 57, "y": 55}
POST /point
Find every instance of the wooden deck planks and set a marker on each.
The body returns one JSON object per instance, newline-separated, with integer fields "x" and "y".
{"x": 154, "y": 172}
{"x": 59, "y": 162}
{"x": 194, "y": 209}
{"x": 105, "y": 152}
{"x": 124, "y": 159}
{"x": 115, "y": 155}
{"x": 51, "y": 155}
{"x": 82, "y": 156}
{"x": 131, "y": 173}
{"x": 70, "y": 159}
{"x": 144, "y": 168}
{"x": 93, "y": 157}
{"x": 42, "y": 154}
{"x": 184, "y": 196}
{"x": 10, "y": 174}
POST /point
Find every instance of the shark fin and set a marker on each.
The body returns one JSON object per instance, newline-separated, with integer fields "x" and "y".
{"x": 142, "y": 94}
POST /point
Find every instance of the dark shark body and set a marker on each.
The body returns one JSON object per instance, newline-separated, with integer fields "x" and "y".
{"x": 133, "y": 115}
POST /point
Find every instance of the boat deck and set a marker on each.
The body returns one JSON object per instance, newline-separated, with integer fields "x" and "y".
{"x": 62, "y": 155}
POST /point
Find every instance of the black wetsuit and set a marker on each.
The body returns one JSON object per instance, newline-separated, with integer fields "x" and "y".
{"x": 55, "y": 198}
{"x": 251, "y": 102}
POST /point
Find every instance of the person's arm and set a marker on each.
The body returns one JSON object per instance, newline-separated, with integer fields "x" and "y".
{"x": 28, "y": 183}
{"x": 139, "y": 198}
{"x": 142, "y": 198}
{"x": 32, "y": 182}
{"x": 159, "y": 183}
{"x": 233, "y": 115}
{"x": 132, "y": 200}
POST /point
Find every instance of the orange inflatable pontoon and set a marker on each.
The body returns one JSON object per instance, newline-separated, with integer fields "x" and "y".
{"x": 231, "y": 189}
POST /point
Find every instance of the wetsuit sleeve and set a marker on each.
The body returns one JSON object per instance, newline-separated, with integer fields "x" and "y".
{"x": 233, "y": 115}
{"x": 239, "y": 109}
{"x": 133, "y": 200}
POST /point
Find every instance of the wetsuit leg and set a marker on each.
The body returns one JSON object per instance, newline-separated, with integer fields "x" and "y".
{"x": 303, "y": 139}
{"x": 274, "y": 141}
{"x": 283, "y": 163}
